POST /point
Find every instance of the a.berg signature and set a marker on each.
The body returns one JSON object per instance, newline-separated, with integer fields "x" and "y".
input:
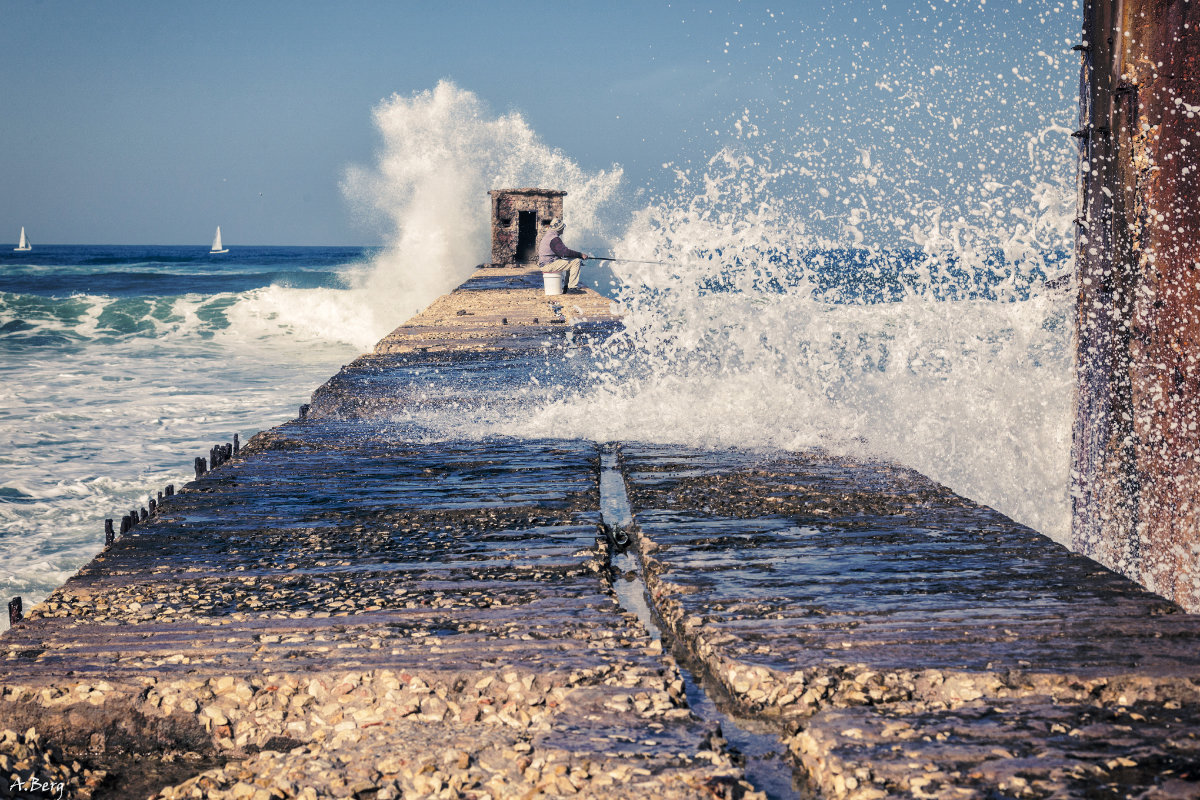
{"x": 35, "y": 784}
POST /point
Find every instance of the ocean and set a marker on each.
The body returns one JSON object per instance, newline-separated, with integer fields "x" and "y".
{"x": 119, "y": 365}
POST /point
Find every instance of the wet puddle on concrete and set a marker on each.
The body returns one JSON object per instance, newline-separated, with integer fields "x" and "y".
{"x": 766, "y": 765}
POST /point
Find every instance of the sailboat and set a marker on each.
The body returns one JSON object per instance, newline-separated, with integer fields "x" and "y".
{"x": 23, "y": 245}
{"x": 217, "y": 248}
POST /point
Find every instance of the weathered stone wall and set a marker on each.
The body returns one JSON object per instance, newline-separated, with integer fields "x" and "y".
{"x": 506, "y": 207}
{"x": 1136, "y": 452}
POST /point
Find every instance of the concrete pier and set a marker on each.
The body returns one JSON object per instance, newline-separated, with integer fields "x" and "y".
{"x": 348, "y": 608}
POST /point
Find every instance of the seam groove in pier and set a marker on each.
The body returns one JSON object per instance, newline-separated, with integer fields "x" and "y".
{"x": 767, "y": 767}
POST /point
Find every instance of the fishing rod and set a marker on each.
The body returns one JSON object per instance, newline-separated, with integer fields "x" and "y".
{"x": 626, "y": 260}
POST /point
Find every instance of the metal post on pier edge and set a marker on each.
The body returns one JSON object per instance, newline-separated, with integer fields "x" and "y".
{"x": 109, "y": 535}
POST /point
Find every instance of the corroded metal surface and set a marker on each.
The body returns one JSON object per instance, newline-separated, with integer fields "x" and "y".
{"x": 807, "y": 585}
{"x": 1137, "y": 434}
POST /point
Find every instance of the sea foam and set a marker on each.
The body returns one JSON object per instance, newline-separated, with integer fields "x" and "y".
{"x": 105, "y": 400}
{"x": 442, "y": 151}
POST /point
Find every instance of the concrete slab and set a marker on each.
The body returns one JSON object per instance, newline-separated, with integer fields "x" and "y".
{"x": 497, "y": 308}
{"x": 339, "y": 611}
{"x": 355, "y": 607}
{"x": 806, "y": 584}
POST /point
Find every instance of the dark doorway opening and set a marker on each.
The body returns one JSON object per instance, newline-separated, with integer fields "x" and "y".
{"x": 526, "y": 236}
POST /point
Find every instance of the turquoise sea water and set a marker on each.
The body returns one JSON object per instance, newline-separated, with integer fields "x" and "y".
{"x": 118, "y": 365}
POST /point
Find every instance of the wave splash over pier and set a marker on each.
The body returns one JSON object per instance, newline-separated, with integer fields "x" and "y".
{"x": 756, "y": 333}
{"x": 864, "y": 277}
{"x": 868, "y": 274}
{"x": 905, "y": 297}
{"x": 442, "y": 151}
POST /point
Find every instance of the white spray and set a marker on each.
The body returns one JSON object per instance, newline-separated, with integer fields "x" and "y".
{"x": 442, "y": 153}
{"x": 964, "y": 374}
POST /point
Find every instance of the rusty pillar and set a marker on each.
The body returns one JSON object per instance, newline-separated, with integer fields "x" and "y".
{"x": 1136, "y": 449}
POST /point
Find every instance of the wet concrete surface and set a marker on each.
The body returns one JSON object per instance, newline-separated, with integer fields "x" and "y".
{"x": 344, "y": 611}
{"x": 755, "y": 746}
{"x": 391, "y": 587}
{"x": 499, "y": 309}
{"x": 847, "y": 601}
{"x": 358, "y": 607}
{"x": 1023, "y": 747}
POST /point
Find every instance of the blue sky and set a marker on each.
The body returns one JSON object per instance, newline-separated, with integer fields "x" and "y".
{"x": 152, "y": 122}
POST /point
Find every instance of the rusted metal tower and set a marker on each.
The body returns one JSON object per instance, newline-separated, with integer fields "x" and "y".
{"x": 1136, "y": 450}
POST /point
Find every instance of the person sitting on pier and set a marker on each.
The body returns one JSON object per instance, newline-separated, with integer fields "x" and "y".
{"x": 554, "y": 256}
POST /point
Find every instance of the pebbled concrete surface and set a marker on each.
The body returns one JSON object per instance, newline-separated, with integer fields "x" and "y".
{"x": 356, "y": 607}
{"x": 343, "y": 612}
{"x": 900, "y": 637}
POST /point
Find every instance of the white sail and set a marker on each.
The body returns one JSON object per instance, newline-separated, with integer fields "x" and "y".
{"x": 217, "y": 248}
{"x": 24, "y": 243}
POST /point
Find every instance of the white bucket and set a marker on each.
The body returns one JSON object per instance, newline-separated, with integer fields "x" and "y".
{"x": 553, "y": 281}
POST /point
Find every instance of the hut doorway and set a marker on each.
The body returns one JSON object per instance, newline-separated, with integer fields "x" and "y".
{"x": 526, "y": 236}
{"x": 519, "y": 217}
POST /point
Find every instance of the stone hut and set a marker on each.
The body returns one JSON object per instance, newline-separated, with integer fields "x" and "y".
{"x": 519, "y": 218}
